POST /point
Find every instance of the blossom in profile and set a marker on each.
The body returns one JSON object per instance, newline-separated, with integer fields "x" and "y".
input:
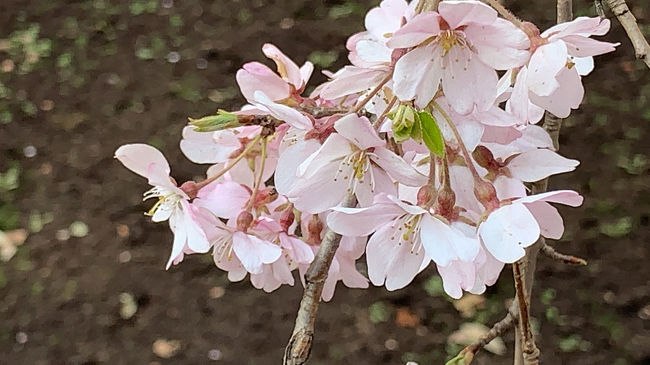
{"x": 289, "y": 81}
{"x": 185, "y": 220}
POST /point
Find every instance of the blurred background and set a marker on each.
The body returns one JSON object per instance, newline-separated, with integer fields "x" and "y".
{"x": 82, "y": 277}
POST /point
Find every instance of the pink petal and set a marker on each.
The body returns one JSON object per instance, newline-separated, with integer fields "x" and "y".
{"x": 147, "y": 162}
{"x": 225, "y": 200}
{"x": 286, "y": 67}
{"x": 456, "y": 277}
{"x": 417, "y": 74}
{"x": 286, "y": 172}
{"x": 545, "y": 63}
{"x": 255, "y": 76}
{"x": 500, "y": 45}
{"x": 201, "y": 147}
{"x": 416, "y": 31}
{"x": 507, "y": 231}
{"x": 580, "y": 46}
{"x": 464, "y": 68}
{"x": 359, "y": 131}
{"x": 568, "y": 95}
{"x": 355, "y": 222}
{"x": 537, "y": 164}
{"x": 550, "y": 221}
{"x": 254, "y": 252}
{"x": 458, "y": 13}
{"x": 386, "y": 18}
{"x": 397, "y": 167}
{"x": 299, "y": 251}
{"x": 444, "y": 244}
{"x": 283, "y": 112}
{"x": 566, "y": 197}
{"x": 352, "y": 80}
{"x": 389, "y": 262}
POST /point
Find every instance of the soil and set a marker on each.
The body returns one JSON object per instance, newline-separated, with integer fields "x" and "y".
{"x": 91, "y": 258}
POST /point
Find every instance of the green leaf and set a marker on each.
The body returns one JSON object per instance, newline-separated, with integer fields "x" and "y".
{"x": 431, "y": 134}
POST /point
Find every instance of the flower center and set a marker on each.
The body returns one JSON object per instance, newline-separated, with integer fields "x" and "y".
{"x": 167, "y": 199}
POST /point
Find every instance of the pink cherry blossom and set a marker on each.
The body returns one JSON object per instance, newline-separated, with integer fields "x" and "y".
{"x": 405, "y": 239}
{"x": 460, "y": 45}
{"x": 353, "y": 160}
{"x": 185, "y": 220}
{"x": 291, "y": 80}
{"x": 513, "y": 227}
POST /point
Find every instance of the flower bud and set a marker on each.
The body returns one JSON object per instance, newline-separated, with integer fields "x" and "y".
{"x": 244, "y": 221}
{"x": 425, "y": 195}
{"x": 222, "y": 120}
{"x": 405, "y": 123}
{"x": 445, "y": 202}
{"x": 286, "y": 218}
{"x": 190, "y": 188}
{"x": 484, "y": 158}
{"x": 314, "y": 228}
{"x": 486, "y": 194}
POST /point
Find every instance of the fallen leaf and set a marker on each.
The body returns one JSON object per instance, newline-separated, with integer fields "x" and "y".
{"x": 469, "y": 333}
{"x": 468, "y": 303}
{"x": 166, "y": 348}
{"x": 405, "y": 318}
{"x": 9, "y": 242}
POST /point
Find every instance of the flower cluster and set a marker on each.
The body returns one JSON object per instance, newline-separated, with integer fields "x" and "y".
{"x": 431, "y": 128}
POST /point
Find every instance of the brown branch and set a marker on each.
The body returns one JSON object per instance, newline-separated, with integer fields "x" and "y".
{"x": 426, "y": 5}
{"x": 498, "y": 330}
{"x": 550, "y": 252}
{"x": 530, "y": 352}
{"x": 552, "y": 125}
{"x": 299, "y": 346}
{"x": 628, "y": 21}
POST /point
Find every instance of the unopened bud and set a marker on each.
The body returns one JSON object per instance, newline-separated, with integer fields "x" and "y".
{"x": 484, "y": 158}
{"x": 405, "y": 123}
{"x": 190, "y": 188}
{"x": 222, "y": 120}
{"x": 265, "y": 196}
{"x": 425, "y": 195}
{"x": 314, "y": 228}
{"x": 244, "y": 220}
{"x": 286, "y": 218}
{"x": 445, "y": 202}
{"x": 486, "y": 194}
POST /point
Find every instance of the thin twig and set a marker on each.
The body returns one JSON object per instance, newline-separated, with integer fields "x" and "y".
{"x": 372, "y": 93}
{"x": 299, "y": 346}
{"x": 628, "y": 21}
{"x": 552, "y": 125}
{"x": 426, "y": 5}
{"x": 498, "y": 330}
{"x": 550, "y": 252}
{"x": 505, "y": 13}
{"x": 530, "y": 351}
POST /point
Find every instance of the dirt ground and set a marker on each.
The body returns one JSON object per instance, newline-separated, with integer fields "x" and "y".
{"x": 88, "y": 286}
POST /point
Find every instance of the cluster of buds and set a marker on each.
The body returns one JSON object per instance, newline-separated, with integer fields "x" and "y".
{"x": 436, "y": 148}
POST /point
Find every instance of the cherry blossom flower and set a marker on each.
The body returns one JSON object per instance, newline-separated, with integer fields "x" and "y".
{"x": 405, "y": 239}
{"x": 185, "y": 220}
{"x": 513, "y": 227}
{"x": 352, "y": 160}
{"x": 290, "y": 82}
{"x": 460, "y": 45}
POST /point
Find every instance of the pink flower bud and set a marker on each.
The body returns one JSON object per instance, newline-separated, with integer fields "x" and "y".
{"x": 486, "y": 194}
{"x": 190, "y": 188}
{"x": 244, "y": 220}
